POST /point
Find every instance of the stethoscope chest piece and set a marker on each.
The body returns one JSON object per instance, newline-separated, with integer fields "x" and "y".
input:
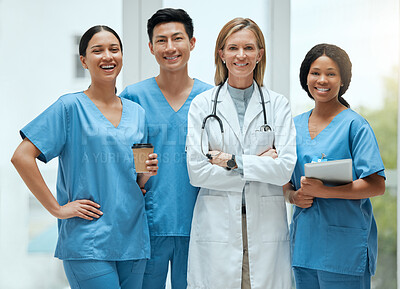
{"x": 265, "y": 127}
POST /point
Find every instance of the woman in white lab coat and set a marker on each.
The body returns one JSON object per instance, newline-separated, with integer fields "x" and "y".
{"x": 239, "y": 236}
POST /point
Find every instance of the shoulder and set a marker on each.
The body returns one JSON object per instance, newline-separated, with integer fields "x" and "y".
{"x": 135, "y": 90}
{"x": 351, "y": 115}
{"x": 357, "y": 124}
{"x": 301, "y": 118}
{"x": 132, "y": 106}
{"x": 70, "y": 100}
{"x": 201, "y": 86}
{"x": 278, "y": 101}
{"x": 142, "y": 84}
{"x": 204, "y": 98}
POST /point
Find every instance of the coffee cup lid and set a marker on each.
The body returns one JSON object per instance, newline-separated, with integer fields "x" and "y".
{"x": 142, "y": 145}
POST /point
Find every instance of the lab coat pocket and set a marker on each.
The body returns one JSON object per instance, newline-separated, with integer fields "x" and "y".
{"x": 211, "y": 219}
{"x": 261, "y": 141}
{"x": 273, "y": 219}
{"x": 346, "y": 250}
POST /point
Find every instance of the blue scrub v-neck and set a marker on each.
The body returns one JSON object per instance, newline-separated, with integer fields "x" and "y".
{"x": 162, "y": 98}
{"x": 98, "y": 111}
{"x": 327, "y": 128}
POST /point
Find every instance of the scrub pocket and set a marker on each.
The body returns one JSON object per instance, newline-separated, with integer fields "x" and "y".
{"x": 261, "y": 141}
{"x": 88, "y": 269}
{"x": 346, "y": 250}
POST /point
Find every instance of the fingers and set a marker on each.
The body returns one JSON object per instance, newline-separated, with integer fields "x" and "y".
{"x": 303, "y": 201}
{"x": 152, "y": 164}
{"x": 153, "y": 156}
{"x": 88, "y": 202}
{"x": 84, "y": 209}
{"x": 270, "y": 153}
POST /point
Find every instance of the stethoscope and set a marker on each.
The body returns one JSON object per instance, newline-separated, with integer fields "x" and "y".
{"x": 265, "y": 127}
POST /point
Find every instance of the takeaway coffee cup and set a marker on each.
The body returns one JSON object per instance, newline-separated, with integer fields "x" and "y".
{"x": 141, "y": 153}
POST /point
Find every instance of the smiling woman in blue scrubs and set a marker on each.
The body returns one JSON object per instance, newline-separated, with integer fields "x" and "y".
{"x": 333, "y": 230}
{"x": 103, "y": 236}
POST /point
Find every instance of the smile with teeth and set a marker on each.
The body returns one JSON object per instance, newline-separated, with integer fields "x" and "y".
{"x": 171, "y": 58}
{"x": 107, "y": 66}
{"x": 240, "y": 64}
{"x": 322, "y": 89}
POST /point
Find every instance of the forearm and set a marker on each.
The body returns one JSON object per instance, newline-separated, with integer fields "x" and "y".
{"x": 142, "y": 179}
{"x": 371, "y": 186}
{"x": 268, "y": 170}
{"x": 288, "y": 192}
{"x": 30, "y": 174}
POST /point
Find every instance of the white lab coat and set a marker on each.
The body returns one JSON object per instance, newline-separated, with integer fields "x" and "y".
{"x": 215, "y": 250}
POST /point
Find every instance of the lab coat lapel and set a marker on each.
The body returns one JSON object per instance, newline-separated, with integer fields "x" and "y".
{"x": 226, "y": 108}
{"x": 254, "y": 108}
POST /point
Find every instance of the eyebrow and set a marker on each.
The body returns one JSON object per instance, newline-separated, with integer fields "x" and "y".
{"x": 163, "y": 36}
{"x": 100, "y": 45}
{"x": 317, "y": 68}
{"x": 247, "y": 44}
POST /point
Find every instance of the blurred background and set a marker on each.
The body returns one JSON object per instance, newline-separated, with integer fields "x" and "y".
{"x": 39, "y": 49}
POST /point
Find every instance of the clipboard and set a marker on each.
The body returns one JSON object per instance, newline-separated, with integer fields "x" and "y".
{"x": 336, "y": 173}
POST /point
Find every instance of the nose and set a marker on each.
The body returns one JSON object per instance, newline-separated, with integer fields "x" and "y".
{"x": 170, "y": 45}
{"x": 107, "y": 54}
{"x": 322, "y": 78}
{"x": 241, "y": 53}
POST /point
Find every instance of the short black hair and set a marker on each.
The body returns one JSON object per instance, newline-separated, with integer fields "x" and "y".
{"x": 166, "y": 15}
{"x": 339, "y": 56}
{"x": 87, "y": 36}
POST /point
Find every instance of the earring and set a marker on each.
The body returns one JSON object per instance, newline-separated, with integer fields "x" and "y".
{"x": 223, "y": 61}
{"x": 256, "y": 62}
{"x": 342, "y": 85}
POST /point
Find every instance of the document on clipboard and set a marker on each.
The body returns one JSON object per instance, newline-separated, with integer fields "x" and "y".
{"x": 336, "y": 173}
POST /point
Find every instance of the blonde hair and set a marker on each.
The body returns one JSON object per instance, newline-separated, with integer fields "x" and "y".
{"x": 221, "y": 72}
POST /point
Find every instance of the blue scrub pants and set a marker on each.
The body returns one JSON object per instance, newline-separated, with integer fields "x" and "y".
{"x": 93, "y": 274}
{"x": 317, "y": 279}
{"x": 165, "y": 250}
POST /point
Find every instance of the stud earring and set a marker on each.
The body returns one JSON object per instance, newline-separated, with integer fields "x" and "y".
{"x": 223, "y": 61}
{"x": 256, "y": 62}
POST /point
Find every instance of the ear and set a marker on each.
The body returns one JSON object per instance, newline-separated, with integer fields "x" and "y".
{"x": 221, "y": 55}
{"x": 83, "y": 61}
{"x": 192, "y": 43}
{"x": 260, "y": 54}
{"x": 151, "y": 48}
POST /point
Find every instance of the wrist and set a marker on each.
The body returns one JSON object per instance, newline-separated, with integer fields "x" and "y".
{"x": 56, "y": 211}
{"x": 231, "y": 163}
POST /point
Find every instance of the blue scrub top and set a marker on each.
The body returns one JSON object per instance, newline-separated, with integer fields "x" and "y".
{"x": 95, "y": 163}
{"x": 170, "y": 198}
{"x": 336, "y": 235}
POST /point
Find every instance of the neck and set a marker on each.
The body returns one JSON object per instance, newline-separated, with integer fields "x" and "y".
{"x": 328, "y": 109}
{"x": 104, "y": 92}
{"x": 174, "y": 81}
{"x": 240, "y": 82}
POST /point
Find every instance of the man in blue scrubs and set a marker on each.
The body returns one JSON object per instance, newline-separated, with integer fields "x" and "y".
{"x": 166, "y": 99}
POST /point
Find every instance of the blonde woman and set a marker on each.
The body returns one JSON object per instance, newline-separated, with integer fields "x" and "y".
{"x": 239, "y": 236}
